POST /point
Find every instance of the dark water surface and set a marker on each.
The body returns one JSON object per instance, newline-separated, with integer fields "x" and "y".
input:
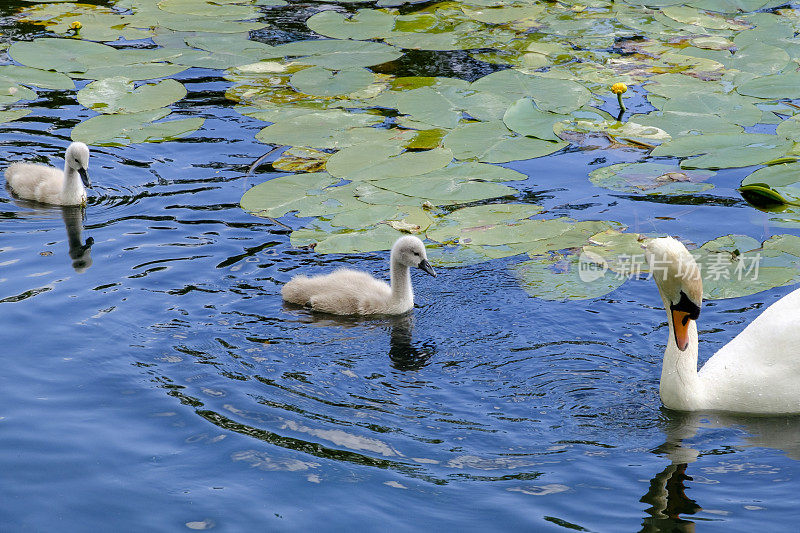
{"x": 163, "y": 385}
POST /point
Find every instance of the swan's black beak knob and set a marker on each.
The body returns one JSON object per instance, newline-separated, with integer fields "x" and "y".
{"x": 424, "y": 265}
{"x": 85, "y": 178}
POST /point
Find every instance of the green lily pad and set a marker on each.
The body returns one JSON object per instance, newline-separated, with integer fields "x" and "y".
{"x": 492, "y": 142}
{"x": 10, "y": 115}
{"x": 680, "y": 123}
{"x": 338, "y": 54}
{"x": 524, "y": 118}
{"x": 549, "y": 94}
{"x": 279, "y": 196}
{"x": 204, "y": 8}
{"x": 62, "y": 55}
{"x": 725, "y": 150}
{"x": 326, "y": 129}
{"x": 10, "y": 92}
{"x": 734, "y": 265}
{"x": 319, "y": 81}
{"x": 119, "y": 95}
{"x": 773, "y": 86}
{"x": 565, "y": 277}
{"x": 470, "y": 219}
{"x": 36, "y": 77}
{"x": 651, "y": 178}
{"x": 380, "y": 237}
{"x": 362, "y": 25}
{"x": 132, "y": 128}
{"x": 374, "y": 162}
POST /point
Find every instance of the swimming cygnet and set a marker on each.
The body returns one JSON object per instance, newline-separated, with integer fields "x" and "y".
{"x": 350, "y": 292}
{"x": 49, "y": 185}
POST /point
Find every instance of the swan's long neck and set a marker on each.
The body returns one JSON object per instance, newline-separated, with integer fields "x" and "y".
{"x": 73, "y": 186}
{"x": 402, "y": 293}
{"x": 681, "y": 387}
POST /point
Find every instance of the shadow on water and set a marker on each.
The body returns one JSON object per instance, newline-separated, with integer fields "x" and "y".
{"x": 669, "y": 503}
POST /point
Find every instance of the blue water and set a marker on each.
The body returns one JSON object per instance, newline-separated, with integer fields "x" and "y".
{"x": 163, "y": 386}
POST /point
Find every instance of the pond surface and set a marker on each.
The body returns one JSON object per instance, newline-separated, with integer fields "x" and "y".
{"x": 156, "y": 382}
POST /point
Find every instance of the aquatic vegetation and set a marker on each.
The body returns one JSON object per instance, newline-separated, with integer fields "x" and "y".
{"x": 378, "y": 153}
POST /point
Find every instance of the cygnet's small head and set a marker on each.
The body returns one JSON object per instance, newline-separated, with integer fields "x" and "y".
{"x": 678, "y": 279}
{"x": 77, "y": 157}
{"x": 410, "y": 251}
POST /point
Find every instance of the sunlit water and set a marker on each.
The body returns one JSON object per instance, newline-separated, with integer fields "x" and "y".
{"x": 160, "y": 384}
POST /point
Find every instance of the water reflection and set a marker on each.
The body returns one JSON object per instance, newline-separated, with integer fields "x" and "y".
{"x": 668, "y": 501}
{"x": 404, "y": 353}
{"x": 80, "y": 252}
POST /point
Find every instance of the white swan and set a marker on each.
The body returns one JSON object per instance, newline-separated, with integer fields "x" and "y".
{"x": 757, "y": 372}
{"x": 350, "y": 292}
{"x": 49, "y": 185}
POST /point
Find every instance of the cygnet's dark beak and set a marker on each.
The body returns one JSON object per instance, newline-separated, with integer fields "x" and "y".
{"x": 85, "y": 178}
{"x": 424, "y": 265}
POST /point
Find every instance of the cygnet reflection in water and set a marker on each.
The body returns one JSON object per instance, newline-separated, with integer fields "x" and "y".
{"x": 404, "y": 353}
{"x": 73, "y": 216}
{"x": 80, "y": 252}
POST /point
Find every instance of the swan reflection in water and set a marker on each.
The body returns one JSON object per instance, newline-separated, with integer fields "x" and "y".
{"x": 669, "y": 504}
{"x": 73, "y": 216}
{"x": 404, "y": 353}
{"x": 80, "y": 252}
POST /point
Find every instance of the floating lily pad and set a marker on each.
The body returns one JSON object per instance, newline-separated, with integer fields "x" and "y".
{"x": 124, "y": 129}
{"x": 362, "y": 25}
{"x": 337, "y": 54}
{"x": 381, "y": 161}
{"x": 558, "y": 96}
{"x": 119, "y": 95}
{"x": 36, "y": 77}
{"x": 279, "y": 196}
{"x": 651, "y": 178}
{"x": 10, "y": 92}
{"x": 318, "y": 81}
{"x": 492, "y": 142}
{"x": 565, "y": 277}
{"x": 380, "y": 237}
{"x": 524, "y": 118}
{"x": 725, "y": 150}
{"x": 10, "y": 115}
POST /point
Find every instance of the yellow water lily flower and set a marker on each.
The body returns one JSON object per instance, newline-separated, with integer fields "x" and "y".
{"x": 75, "y": 26}
{"x": 619, "y": 88}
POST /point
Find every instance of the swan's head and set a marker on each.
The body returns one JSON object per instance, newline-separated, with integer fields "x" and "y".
{"x": 77, "y": 157}
{"x": 410, "y": 251}
{"x": 678, "y": 279}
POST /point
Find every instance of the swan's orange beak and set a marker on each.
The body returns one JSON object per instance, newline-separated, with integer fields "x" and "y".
{"x": 680, "y": 323}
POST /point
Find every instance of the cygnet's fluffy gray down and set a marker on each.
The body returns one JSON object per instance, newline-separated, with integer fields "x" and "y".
{"x": 350, "y": 292}
{"x": 49, "y": 185}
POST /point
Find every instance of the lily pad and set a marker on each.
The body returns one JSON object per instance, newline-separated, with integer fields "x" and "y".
{"x": 565, "y": 277}
{"x": 549, "y": 94}
{"x": 119, "y": 95}
{"x": 132, "y": 128}
{"x": 318, "y": 81}
{"x": 36, "y": 77}
{"x": 773, "y": 86}
{"x": 524, "y": 118}
{"x": 651, "y": 178}
{"x": 338, "y": 54}
{"x": 9, "y": 115}
{"x": 381, "y": 161}
{"x": 492, "y": 142}
{"x": 279, "y": 196}
{"x": 725, "y": 150}
{"x": 380, "y": 237}
{"x": 363, "y": 24}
